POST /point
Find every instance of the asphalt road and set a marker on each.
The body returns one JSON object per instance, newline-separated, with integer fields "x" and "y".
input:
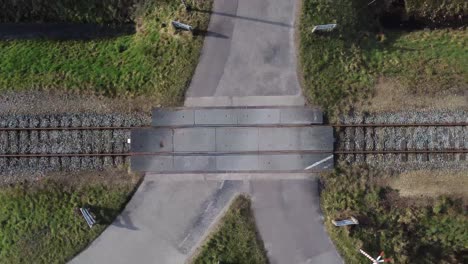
{"x": 248, "y": 54}
{"x": 288, "y": 217}
{"x": 167, "y": 219}
{"x": 157, "y": 225}
{"x": 248, "y": 58}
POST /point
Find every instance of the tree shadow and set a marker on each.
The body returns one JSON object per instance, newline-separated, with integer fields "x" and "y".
{"x": 63, "y": 31}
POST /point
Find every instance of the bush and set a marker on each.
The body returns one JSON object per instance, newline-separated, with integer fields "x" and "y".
{"x": 73, "y": 11}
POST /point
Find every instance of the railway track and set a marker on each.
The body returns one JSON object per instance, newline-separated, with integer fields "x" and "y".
{"x": 58, "y": 148}
{"x": 400, "y": 142}
{"x": 86, "y": 147}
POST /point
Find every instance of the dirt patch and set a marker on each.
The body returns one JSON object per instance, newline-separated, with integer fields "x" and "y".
{"x": 392, "y": 96}
{"x": 54, "y": 102}
{"x": 432, "y": 184}
{"x": 109, "y": 177}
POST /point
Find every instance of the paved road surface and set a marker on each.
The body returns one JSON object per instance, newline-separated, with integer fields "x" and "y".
{"x": 288, "y": 217}
{"x": 248, "y": 54}
{"x": 153, "y": 225}
{"x": 248, "y": 59}
{"x": 166, "y": 219}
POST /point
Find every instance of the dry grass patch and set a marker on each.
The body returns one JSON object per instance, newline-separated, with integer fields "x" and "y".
{"x": 390, "y": 95}
{"x": 57, "y": 102}
{"x": 432, "y": 184}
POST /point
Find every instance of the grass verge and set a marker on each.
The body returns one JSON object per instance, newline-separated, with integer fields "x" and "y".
{"x": 156, "y": 62}
{"x": 341, "y": 68}
{"x": 408, "y": 233}
{"x": 236, "y": 240}
{"x": 39, "y": 222}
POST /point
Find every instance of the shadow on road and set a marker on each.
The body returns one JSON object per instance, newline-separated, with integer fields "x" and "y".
{"x": 124, "y": 221}
{"x": 105, "y": 216}
{"x": 62, "y": 31}
{"x": 206, "y": 33}
{"x": 242, "y": 17}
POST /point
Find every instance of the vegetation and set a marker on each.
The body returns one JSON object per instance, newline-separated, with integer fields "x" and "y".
{"x": 156, "y": 62}
{"x": 437, "y": 11}
{"x": 236, "y": 240}
{"x": 77, "y": 11}
{"x": 342, "y": 67}
{"x": 40, "y": 222}
{"x": 407, "y": 233}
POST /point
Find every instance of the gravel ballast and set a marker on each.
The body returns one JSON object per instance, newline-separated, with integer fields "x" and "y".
{"x": 63, "y": 142}
{"x": 406, "y": 138}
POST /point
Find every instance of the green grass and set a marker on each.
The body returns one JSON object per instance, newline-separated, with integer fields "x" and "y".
{"x": 438, "y": 11}
{"x": 407, "y": 233}
{"x": 75, "y": 11}
{"x": 155, "y": 62}
{"x": 236, "y": 240}
{"x": 39, "y": 223}
{"x": 341, "y": 67}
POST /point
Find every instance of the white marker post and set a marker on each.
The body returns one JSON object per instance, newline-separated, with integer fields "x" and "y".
{"x": 179, "y": 25}
{"x": 326, "y": 27}
{"x": 346, "y": 222}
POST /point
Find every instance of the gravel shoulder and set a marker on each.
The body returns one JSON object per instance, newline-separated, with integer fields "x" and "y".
{"x": 57, "y": 102}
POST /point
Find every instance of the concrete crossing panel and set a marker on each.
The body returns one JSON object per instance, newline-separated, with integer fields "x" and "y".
{"x": 215, "y": 116}
{"x": 195, "y": 139}
{"x": 291, "y": 162}
{"x": 316, "y": 138}
{"x": 296, "y": 138}
{"x": 152, "y": 163}
{"x": 300, "y": 116}
{"x": 236, "y": 139}
{"x": 227, "y": 139}
{"x": 236, "y": 116}
{"x": 237, "y": 163}
{"x": 172, "y": 117}
{"x": 194, "y": 163}
{"x": 259, "y": 116}
{"x": 151, "y": 140}
{"x": 232, "y": 163}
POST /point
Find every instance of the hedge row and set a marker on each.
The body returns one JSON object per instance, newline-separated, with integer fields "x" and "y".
{"x": 71, "y": 11}
{"x": 438, "y": 12}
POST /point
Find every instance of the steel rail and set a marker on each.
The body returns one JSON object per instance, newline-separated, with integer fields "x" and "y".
{"x": 65, "y": 128}
{"x": 403, "y": 125}
{"x": 171, "y": 153}
{"x": 276, "y": 152}
{"x": 377, "y": 152}
{"x": 235, "y": 125}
